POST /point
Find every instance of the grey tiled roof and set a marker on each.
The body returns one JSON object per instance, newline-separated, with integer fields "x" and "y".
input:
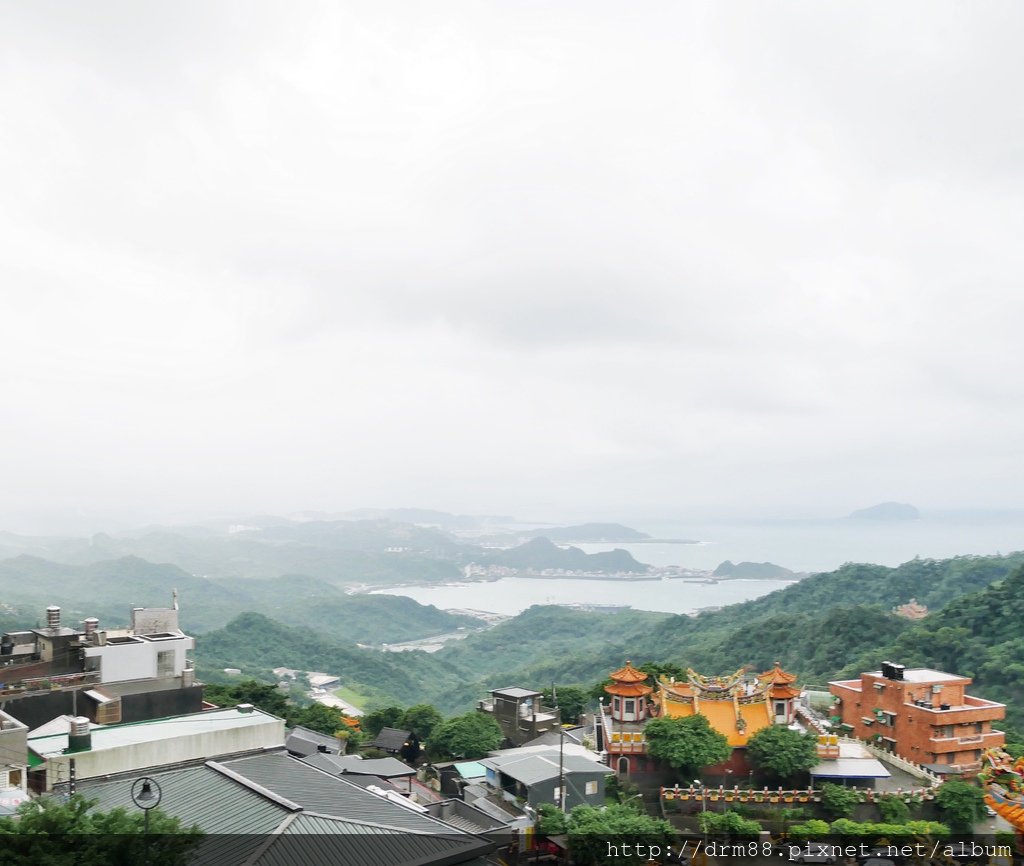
{"x": 303, "y": 741}
{"x": 391, "y": 739}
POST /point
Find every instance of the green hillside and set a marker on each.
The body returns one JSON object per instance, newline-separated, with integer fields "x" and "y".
{"x": 980, "y": 636}
{"x": 109, "y": 590}
{"x": 539, "y": 554}
{"x": 814, "y": 627}
{"x": 256, "y": 644}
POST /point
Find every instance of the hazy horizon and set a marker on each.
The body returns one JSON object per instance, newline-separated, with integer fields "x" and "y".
{"x": 574, "y": 262}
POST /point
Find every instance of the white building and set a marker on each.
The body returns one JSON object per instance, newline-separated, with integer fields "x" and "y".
{"x": 102, "y": 750}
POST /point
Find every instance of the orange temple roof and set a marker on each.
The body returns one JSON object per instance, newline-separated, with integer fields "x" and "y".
{"x": 721, "y": 716}
{"x": 778, "y": 676}
{"x": 680, "y": 689}
{"x": 628, "y": 674}
{"x": 784, "y": 692}
{"x": 628, "y": 690}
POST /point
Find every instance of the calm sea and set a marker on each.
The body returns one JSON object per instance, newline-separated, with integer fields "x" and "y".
{"x": 800, "y": 545}
{"x": 823, "y": 545}
{"x": 511, "y": 595}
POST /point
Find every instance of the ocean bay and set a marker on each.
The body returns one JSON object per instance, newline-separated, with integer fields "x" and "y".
{"x": 512, "y": 595}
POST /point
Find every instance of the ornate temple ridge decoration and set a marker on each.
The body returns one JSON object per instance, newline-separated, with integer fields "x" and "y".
{"x": 714, "y": 688}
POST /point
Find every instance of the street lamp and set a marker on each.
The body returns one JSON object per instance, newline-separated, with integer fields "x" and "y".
{"x": 703, "y": 813}
{"x": 146, "y": 795}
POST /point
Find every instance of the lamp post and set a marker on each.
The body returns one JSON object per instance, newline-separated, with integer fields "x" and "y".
{"x": 146, "y": 795}
{"x": 703, "y": 813}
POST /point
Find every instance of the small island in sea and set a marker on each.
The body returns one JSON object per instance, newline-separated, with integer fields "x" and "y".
{"x": 887, "y": 511}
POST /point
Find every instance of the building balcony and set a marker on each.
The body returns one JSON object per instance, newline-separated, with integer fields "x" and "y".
{"x": 46, "y": 684}
{"x": 972, "y": 710}
{"x": 958, "y": 744}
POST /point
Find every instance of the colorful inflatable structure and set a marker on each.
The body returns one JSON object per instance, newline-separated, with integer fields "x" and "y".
{"x": 1002, "y": 777}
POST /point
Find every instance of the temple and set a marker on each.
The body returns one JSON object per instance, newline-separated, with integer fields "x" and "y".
{"x": 737, "y": 706}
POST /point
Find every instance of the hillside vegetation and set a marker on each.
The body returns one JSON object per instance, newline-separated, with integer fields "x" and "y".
{"x": 815, "y": 628}
{"x": 541, "y": 553}
{"x": 109, "y": 590}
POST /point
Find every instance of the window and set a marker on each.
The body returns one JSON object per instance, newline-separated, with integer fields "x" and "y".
{"x": 590, "y": 788}
{"x": 630, "y": 705}
{"x": 617, "y": 704}
{"x": 979, "y": 727}
{"x": 165, "y": 663}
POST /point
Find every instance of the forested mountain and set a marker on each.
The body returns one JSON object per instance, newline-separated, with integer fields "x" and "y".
{"x": 109, "y": 589}
{"x": 351, "y": 552}
{"x": 592, "y": 532}
{"x": 374, "y": 536}
{"x": 980, "y": 636}
{"x": 751, "y": 571}
{"x": 540, "y": 553}
{"x": 815, "y": 627}
{"x": 841, "y": 621}
{"x": 257, "y": 644}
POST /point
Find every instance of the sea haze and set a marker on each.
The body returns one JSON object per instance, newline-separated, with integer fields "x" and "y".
{"x": 824, "y": 545}
{"x": 512, "y": 595}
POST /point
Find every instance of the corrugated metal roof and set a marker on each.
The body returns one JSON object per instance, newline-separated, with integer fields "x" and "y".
{"x": 386, "y": 768}
{"x": 243, "y": 822}
{"x": 318, "y": 839}
{"x": 116, "y": 736}
{"x": 235, "y": 819}
{"x": 327, "y": 794}
{"x": 531, "y": 769}
{"x": 197, "y": 795}
{"x": 471, "y": 769}
{"x": 303, "y": 741}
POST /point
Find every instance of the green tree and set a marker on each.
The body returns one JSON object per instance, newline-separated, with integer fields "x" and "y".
{"x": 421, "y": 720}
{"x": 471, "y": 735}
{"x": 387, "y": 717}
{"x": 325, "y": 719}
{"x": 611, "y": 835}
{"x": 689, "y": 744}
{"x": 893, "y": 809}
{"x": 812, "y": 829}
{"x": 781, "y": 753}
{"x": 962, "y": 804}
{"x": 731, "y": 824}
{"x": 838, "y": 801}
{"x": 73, "y": 833}
{"x": 571, "y": 700}
{"x": 551, "y": 820}
{"x": 268, "y": 698}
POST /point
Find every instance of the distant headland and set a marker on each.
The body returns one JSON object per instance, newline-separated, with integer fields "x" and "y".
{"x": 887, "y": 511}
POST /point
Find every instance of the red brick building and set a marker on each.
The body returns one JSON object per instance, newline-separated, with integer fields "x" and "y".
{"x": 920, "y": 714}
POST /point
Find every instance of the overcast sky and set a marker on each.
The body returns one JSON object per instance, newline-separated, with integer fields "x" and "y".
{"x": 548, "y": 259}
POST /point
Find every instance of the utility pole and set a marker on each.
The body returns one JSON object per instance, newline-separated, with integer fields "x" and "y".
{"x": 561, "y": 768}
